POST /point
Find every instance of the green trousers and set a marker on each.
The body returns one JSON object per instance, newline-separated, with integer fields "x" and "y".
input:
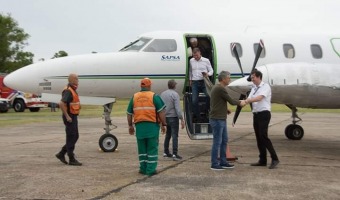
{"x": 148, "y": 155}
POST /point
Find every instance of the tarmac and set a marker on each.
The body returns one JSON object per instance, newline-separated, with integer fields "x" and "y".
{"x": 308, "y": 169}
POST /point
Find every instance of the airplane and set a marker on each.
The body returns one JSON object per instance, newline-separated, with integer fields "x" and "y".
{"x": 302, "y": 69}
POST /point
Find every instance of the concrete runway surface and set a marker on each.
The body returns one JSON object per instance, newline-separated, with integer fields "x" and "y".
{"x": 309, "y": 168}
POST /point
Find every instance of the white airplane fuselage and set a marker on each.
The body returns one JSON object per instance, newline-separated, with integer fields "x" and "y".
{"x": 303, "y": 81}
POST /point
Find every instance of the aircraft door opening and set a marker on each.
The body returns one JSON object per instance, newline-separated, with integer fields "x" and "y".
{"x": 198, "y": 127}
{"x": 336, "y": 45}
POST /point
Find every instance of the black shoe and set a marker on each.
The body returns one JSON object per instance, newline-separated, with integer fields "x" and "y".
{"x": 177, "y": 157}
{"x": 227, "y": 166}
{"x": 274, "y": 164}
{"x": 75, "y": 162}
{"x": 167, "y": 155}
{"x": 258, "y": 164}
{"x": 61, "y": 157}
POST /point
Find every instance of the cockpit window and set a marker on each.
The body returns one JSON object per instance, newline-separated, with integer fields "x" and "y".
{"x": 161, "y": 45}
{"x": 136, "y": 45}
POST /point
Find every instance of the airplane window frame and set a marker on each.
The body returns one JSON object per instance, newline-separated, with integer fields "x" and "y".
{"x": 263, "y": 52}
{"x": 316, "y": 51}
{"x": 239, "y": 50}
{"x": 136, "y": 45}
{"x": 161, "y": 45}
{"x": 286, "y": 50}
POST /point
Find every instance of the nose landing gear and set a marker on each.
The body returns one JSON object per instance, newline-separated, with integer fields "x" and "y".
{"x": 108, "y": 142}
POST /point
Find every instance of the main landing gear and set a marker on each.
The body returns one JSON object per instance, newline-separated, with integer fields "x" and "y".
{"x": 108, "y": 142}
{"x": 294, "y": 131}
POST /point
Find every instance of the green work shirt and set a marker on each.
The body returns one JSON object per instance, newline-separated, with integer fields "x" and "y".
{"x": 147, "y": 129}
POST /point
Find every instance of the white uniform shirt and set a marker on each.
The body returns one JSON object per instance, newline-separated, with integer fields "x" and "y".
{"x": 199, "y": 66}
{"x": 262, "y": 90}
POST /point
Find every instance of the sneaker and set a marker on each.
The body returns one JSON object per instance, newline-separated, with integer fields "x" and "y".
{"x": 177, "y": 157}
{"x": 167, "y": 155}
{"x": 217, "y": 168}
{"x": 227, "y": 166}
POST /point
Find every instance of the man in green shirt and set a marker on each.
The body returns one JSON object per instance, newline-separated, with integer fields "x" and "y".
{"x": 218, "y": 116}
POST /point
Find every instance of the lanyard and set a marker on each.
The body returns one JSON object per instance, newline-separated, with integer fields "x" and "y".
{"x": 256, "y": 90}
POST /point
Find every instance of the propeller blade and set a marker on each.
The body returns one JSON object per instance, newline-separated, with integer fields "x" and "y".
{"x": 238, "y": 110}
{"x": 258, "y": 53}
{"x": 234, "y": 49}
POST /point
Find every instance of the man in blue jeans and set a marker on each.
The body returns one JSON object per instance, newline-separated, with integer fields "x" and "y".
{"x": 173, "y": 114}
{"x": 218, "y": 121}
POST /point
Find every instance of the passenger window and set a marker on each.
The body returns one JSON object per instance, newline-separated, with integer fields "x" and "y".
{"x": 316, "y": 51}
{"x": 289, "y": 51}
{"x": 161, "y": 45}
{"x": 239, "y": 50}
{"x": 263, "y": 52}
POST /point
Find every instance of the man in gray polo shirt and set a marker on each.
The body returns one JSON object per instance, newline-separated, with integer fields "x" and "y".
{"x": 173, "y": 114}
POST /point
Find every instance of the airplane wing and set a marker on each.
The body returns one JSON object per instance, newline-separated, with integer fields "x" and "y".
{"x": 85, "y": 100}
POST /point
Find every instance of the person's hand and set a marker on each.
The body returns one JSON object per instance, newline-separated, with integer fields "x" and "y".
{"x": 243, "y": 103}
{"x": 69, "y": 119}
{"x": 228, "y": 111}
{"x": 204, "y": 74}
{"x": 182, "y": 124}
{"x": 131, "y": 130}
{"x": 163, "y": 129}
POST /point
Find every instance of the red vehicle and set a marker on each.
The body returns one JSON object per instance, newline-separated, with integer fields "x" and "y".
{"x": 20, "y": 100}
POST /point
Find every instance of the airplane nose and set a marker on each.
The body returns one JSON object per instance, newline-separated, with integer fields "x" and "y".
{"x": 21, "y": 80}
{"x": 241, "y": 86}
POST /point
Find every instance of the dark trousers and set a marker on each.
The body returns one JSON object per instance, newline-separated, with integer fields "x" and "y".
{"x": 72, "y": 135}
{"x": 197, "y": 87}
{"x": 260, "y": 122}
{"x": 172, "y": 129}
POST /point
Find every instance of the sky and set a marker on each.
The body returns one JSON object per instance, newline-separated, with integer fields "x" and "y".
{"x": 85, "y": 26}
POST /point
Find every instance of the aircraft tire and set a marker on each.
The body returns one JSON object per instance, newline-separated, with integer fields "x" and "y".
{"x": 287, "y": 132}
{"x": 294, "y": 132}
{"x": 108, "y": 142}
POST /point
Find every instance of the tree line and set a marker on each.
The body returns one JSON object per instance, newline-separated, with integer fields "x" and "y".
{"x": 13, "y": 40}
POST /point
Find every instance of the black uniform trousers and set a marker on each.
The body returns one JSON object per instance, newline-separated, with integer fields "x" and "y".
{"x": 72, "y": 134}
{"x": 260, "y": 122}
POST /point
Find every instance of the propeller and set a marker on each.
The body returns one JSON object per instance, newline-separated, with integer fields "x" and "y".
{"x": 258, "y": 53}
{"x": 233, "y": 48}
{"x": 242, "y": 96}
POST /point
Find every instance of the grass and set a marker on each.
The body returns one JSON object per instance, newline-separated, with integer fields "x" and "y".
{"x": 12, "y": 118}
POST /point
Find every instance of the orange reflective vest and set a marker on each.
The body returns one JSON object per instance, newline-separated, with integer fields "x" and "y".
{"x": 75, "y": 104}
{"x": 144, "y": 109}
